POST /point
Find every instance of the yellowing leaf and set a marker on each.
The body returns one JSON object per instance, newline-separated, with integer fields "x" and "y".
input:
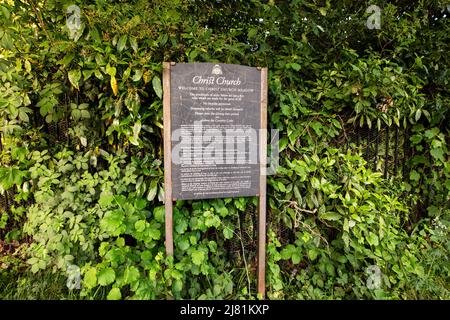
{"x": 114, "y": 86}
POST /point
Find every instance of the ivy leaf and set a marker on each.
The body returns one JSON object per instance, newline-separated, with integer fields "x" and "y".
{"x": 156, "y": 82}
{"x": 159, "y": 213}
{"x": 106, "y": 276}
{"x": 227, "y": 232}
{"x": 183, "y": 244}
{"x": 131, "y": 274}
{"x": 10, "y": 177}
{"x": 198, "y": 257}
{"x": 312, "y": 254}
{"x": 140, "y": 203}
{"x": 296, "y": 257}
{"x": 181, "y": 226}
{"x": 114, "y": 294}
{"x": 438, "y": 154}
{"x": 414, "y": 175}
{"x": 154, "y": 233}
{"x": 74, "y": 77}
{"x": 139, "y": 225}
{"x": 90, "y": 278}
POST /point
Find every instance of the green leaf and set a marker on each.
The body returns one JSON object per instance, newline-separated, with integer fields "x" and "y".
{"x": 122, "y": 42}
{"x": 126, "y": 74}
{"x": 23, "y": 116}
{"x": 156, "y": 82}
{"x": 183, "y": 244}
{"x": 5, "y": 12}
{"x": 414, "y": 175}
{"x": 140, "y": 203}
{"x": 105, "y": 199}
{"x": 10, "y": 177}
{"x": 372, "y": 239}
{"x": 106, "y": 276}
{"x": 296, "y": 257}
{"x": 418, "y": 114}
{"x": 181, "y": 225}
{"x": 154, "y": 233}
{"x": 74, "y": 77}
{"x": 140, "y": 225}
{"x": 137, "y": 75}
{"x": 312, "y": 254}
{"x": 198, "y": 257}
{"x": 152, "y": 190}
{"x": 438, "y": 154}
{"x": 331, "y": 216}
{"x": 114, "y": 294}
{"x": 134, "y": 44}
{"x": 159, "y": 213}
{"x": 111, "y": 70}
{"x": 295, "y": 66}
{"x": 131, "y": 274}
{"x": 228, "y": 232}
{"x": 90, "y": 278}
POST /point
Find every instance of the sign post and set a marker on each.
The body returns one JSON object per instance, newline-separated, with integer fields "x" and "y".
{"x": 215, "y": 139}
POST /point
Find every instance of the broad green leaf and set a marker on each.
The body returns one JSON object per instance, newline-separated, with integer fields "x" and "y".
{"x": 438, "y": 154}
{"x": 296, "y": 257}
{"x": 159, "y": 213}
{"x": 74, "y": 77}
{"x": 137, "y": 75}
{"x": 90, "y": 278}
{"x": 134, "y": 44}
{"x": 152, "y": 190}
{"x": 131, "y": 274}
{"x": 228, "y": 232}
{"x": 156, "y": 82}
{"x": 331, "y": 216}
{"x": 106, "y": 276}
{"x": 140, "y": 225}
{"x": 122, "y": 42}
{"x": 114, "y": 294}
{"x": 183, "y": 244}
{"x": 111, "y": 70}
{"x": 198, "y": 257}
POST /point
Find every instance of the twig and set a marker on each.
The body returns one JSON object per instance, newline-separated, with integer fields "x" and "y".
{"x": 41, "y": 22}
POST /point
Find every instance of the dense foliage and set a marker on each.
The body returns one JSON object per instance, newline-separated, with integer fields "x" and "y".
{"x": 81, "y": 150}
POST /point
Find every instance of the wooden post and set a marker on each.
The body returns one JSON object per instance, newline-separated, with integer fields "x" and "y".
{"x": 167, "y": 160}
{"x": 262, "y": 187}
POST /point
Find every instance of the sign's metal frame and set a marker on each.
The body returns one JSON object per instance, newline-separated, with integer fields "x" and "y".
{"x": 168, "y": 199}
